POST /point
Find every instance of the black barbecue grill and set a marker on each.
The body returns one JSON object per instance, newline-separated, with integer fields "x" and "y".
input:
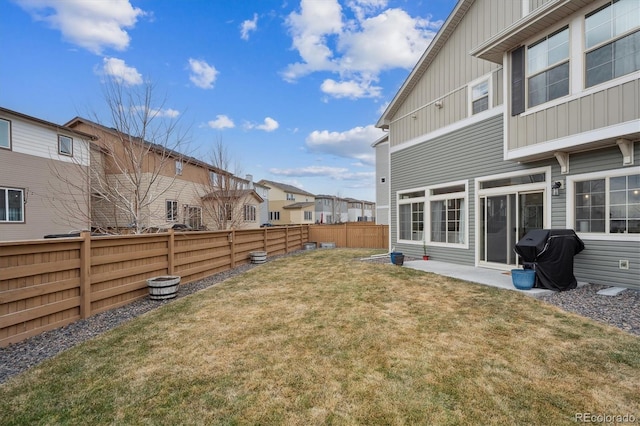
{"x": 550, "y": 252}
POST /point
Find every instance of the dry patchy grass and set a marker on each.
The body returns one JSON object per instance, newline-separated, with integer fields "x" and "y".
{"x": 321, "y": 338}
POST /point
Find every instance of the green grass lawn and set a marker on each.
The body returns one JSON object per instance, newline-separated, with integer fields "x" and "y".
{"x": 322, "y": 338}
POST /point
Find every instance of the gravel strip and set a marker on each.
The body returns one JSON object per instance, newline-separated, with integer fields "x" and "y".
{"x": 622, "y": 311}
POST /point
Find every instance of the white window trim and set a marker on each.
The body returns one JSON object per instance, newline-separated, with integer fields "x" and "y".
{"x": 571, "y": 192}
{"x": 60, "y": 152}
{"x": 546, "y": 186}
{"x": 9, "y": 125}
{"x": 175, "y": 218}
{"x": 489, "y": 79}
{"x": 22, "y": 207}
{"x": 179, "y": 166}
{"x": 528, "y": 76}
{"x": 454, "y": 195}
{"x": 410, "y": 201}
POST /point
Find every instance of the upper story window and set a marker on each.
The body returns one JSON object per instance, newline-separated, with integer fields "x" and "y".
{"x": 291, "y": 197}
{"x": 178, "y": 167}
{"x": 548, "y": 68}
{"x": 5, "y": 134}
{"x": 479, "y": 99}
{"x": 65, "y": 145}
{"x": 612, "y": 41}
{"x": 11, "y": 205}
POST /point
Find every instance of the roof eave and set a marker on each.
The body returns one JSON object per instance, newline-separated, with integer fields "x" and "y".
{"x": 531, "y": 25}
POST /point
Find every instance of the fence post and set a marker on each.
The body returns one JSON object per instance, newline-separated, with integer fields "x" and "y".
{"x": 286, "y": 240}
{"x": 85, "y": 275}
{"x": 171, "y": 253}
{"x": 266, "y": 239}
{"x": 232, "y": 246}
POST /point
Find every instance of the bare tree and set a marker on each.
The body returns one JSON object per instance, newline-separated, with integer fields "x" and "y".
{"x": 229, "y": 201}
{"x": 134, "y": 162}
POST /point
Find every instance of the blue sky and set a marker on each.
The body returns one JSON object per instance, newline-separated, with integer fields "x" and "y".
{"x": 292, "y": 88}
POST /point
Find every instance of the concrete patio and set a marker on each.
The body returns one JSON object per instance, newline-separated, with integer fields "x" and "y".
{"x": 491, "y": 277}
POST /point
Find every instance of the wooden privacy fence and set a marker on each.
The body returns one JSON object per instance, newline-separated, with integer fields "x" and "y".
{"x": 46, "y": 284}
{"x": 352, "y": 235}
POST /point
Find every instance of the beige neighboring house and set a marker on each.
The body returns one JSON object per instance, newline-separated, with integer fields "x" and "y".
{"x": 34, "y": 201}
{"x": 182, "y": 190}
{"x": 289, "y": 205}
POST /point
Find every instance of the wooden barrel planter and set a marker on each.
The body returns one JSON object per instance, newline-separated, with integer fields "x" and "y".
{"x": 258, "y": 257}
{"x": 163, "y": 287}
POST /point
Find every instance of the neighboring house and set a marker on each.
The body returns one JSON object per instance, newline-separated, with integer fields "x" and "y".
{"x": 521, "y": 115}
{"x": 382, "y": 180}
{"x": 263, "y": 192}
{"x": 360, "y": 211}
{"x": 180, "y": 189}
{"x": 35, "y": 200}
{"x": 331, "y": 209}
{"x": 289, "y": 205}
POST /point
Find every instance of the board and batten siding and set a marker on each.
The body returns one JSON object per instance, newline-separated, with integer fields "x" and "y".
{"x": 592, "y": 111}
{"x": 452, "y": 70}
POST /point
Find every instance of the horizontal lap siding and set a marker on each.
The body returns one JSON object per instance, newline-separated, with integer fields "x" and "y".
{"x": 598, "y": 263}
{"x": 465, "y": 154}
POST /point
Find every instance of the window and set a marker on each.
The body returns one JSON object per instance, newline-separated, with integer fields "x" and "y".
{"x": 214, "y": 178}
{"x": 411, "y": 216}
{"x": 383, "y": 179}
{"x": 612, "y": 41}
{"x": 178, "y": 167}
{"x": 291, "y": 197}
{"x": 274, "y": 215}
{"x": 11, "y": 205}
{"x": 249, "y": 213}
{"x": 194, "y": 217}
{"x": 5, "y": 134}
{"x": 65, "y": 145}
{"x": 448, "y": 214}
{"x": 226, "y": 212}
{"x": 548, "y": 68}
{"x": 172, "y": 210}
{"x": 308, "y": 215}
{"x": 479, "y": 99}
{"x": 609, "y": 205}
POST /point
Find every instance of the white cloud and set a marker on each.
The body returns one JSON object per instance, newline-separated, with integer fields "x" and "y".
{"x": 120, "y": 72}
{"x": 358, "y": 48}
{"x": 269, "y": 125}
{"x": 248, "y": 26}
{"x": 92, "y": 25}
{"x": 354, "y": 143}
{"x": 202, "y": 75}
{"x": 158, "y": 112}
{"x": 221, "y": 122}
{"x": 350, "y": 89}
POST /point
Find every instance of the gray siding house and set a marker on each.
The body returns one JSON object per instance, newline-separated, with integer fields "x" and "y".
{"x": 521, "y": 115}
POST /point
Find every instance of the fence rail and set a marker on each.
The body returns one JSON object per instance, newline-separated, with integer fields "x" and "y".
{"x": 46, "y": 284}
